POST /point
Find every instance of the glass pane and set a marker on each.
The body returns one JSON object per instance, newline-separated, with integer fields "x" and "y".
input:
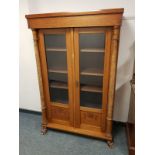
{"x": 55, "y": 40}
{"x": 92, "y": 47}
{"x": 59, "y": 95}
{"x": 56, "y": 56}
{"x": 92, "y": 40}
{"x": 91, "y": 99}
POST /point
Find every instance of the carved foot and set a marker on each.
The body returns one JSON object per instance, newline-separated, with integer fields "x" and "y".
{"x": 110, "y": 144}
{"x": 43, "y": 130}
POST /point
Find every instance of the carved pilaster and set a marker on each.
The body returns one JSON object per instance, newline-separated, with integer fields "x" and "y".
{"x": 112, "y": 79}
{"x": 43, "y": 105}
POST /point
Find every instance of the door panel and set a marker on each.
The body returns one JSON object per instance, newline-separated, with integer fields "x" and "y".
{"x": 92, "y": 52}
{"x": 56, "y": 63}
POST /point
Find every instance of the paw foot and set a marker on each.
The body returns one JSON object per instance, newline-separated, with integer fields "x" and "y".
{"x": 110, "y": 144}
{"x": 43, "y": 131}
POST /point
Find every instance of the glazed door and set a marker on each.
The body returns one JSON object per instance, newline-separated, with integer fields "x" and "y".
{"x": 92, "y": 53}
{"x": 56, "y": 64}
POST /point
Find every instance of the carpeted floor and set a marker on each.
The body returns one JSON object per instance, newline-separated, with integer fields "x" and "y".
{"x": 31, "y": 142}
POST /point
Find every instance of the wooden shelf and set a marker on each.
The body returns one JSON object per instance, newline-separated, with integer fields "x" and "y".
{"x": 95, "y": 89}
{"x": 92, "y": 72}
{"x": 92, "y": 50}
{"x": 59, "y": 102}
{"x": 87, "y": 88}
{"x": 57, "y": 70}
{"x": 56, "y": 84}
{"x": 56, "y": 49}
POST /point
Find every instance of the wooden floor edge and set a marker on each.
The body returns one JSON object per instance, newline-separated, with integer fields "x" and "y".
{"x": 79, "y": 131}
{"x": 130, "y": 147}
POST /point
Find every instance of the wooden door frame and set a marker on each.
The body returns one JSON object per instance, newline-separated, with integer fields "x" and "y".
{"x": 108, "y": 36}
{"x": 43, "y": 62}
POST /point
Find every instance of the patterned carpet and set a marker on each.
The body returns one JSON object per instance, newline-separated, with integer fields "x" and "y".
{"x": 31, "y": 142}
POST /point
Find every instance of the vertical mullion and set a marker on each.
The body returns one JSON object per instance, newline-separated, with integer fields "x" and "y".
{"x": 77, "y": 78}
{"x": 69, "y": 47}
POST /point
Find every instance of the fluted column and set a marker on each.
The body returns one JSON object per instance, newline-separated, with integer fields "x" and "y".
{"x": 112, "y": 79}
{"x": 43, "y": 105}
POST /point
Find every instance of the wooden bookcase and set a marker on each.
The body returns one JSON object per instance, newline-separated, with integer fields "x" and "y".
{"x": 76, "y": 56}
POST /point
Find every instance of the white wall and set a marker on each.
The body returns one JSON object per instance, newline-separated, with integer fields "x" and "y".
{"x": 124, "y": 70}
{"x": 28, "y": 83}
{"x": 29, "y": 90}
{"x": 80, "y": 5}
